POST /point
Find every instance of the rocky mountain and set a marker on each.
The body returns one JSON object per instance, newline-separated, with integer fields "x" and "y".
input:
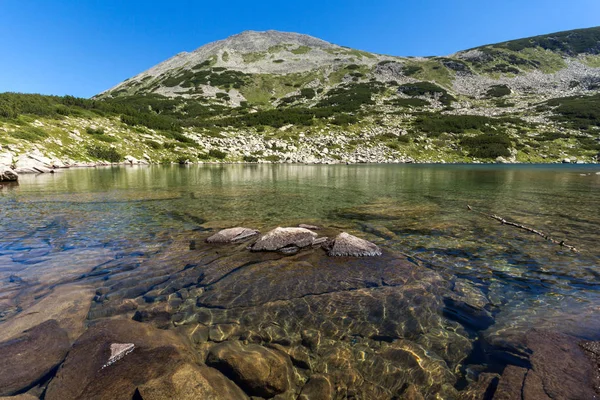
{"x": 285, "y": 97}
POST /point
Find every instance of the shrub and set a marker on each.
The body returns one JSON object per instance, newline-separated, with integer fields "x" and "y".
{"x": 250, "y": 159}
{"x": 487, "y": 145}
{"x": 427, "y": 89}
{"x": 498, "y": 91}
{"x": 109, "y": 154}
{"x": 214, "y": 153}
{"x": 92, "y": 131}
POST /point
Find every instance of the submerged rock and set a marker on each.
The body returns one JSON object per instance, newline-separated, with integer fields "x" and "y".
{"x": 8, "y": 175}
{"x": 279, "y": 238}
{"x": 560, "y": 369}
{"x": 318, "y": 387}
{"x": 259, "y": 371}
{"x": 160, "y": 366}
{"x": 347, "y": 245}
{"x": 27, "y": 359}
{"x": 232, "y": 235}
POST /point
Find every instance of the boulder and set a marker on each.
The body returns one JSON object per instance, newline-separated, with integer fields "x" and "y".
{"x": 191, "y": 382}
{"x": 8, "y": 175}
{"x": 348, "y": 245}
{"x": 28, "y": 358}
{"x": 123, "y": 359}
{"x": 280, "y": 238}
{"x": 318, "y": 387}
{"x": 232, "y": 235}
{"x": 259, "y": 371}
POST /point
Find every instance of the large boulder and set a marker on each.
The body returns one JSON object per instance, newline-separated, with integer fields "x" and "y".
{"x": 232, "y": 235}
{"x": 28, "y": 358}
{"x": 123, "y": 359}
{"x": 348, "y": 245}
{"x": 256, "y": 369}
{"x": 280, "y": 238}
{"x": 7, "y": 174}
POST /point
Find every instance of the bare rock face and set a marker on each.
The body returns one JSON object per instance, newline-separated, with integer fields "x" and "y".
{"x": 348, "y": 245}
{"x": 26, "y": 359}
{"x": 280, "y": 238}
{"x": 259, "y": 371}
{"x": 232, "y": 235}
{"x": 8, "y": 175}
{"x": 151, "y": 363}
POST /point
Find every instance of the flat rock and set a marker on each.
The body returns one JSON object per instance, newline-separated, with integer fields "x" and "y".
{"x": 279, "y": 238}
{"x": 68, "y": 305}
{"x": 159, "y": 362}
{"x": 559, "y": 370}
{"x": 232, "y": 235}
{"x": 28, "y": 358}
{"x": 348, "y": 245}
{"x": 24, "y": 396}
{"x": 256, "y": 369}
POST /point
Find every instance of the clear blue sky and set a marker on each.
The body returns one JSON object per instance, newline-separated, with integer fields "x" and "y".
{"x": 82, "y": 47}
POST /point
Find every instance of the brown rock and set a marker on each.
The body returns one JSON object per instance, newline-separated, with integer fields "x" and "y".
{"x": 68, "y": 305}
{"x": 279, "y": 238}
{"x": 256, "y": 369}
{"x": 232, "y": 235}
{"x": 483, "y": 388}
{"x": 159, "y": 363}
{"x": 24, "y": 396}
{"x": 564, "y": 369}
{"x": 511, "y": 383}
{"x": 191, "y": 382}
{"x": 412, "y": 393}
{"x": 318, "y": 387}
{"x": 28, "y": 358}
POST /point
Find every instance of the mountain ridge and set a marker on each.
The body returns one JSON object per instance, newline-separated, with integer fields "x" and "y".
{"x": 286, "y": 97}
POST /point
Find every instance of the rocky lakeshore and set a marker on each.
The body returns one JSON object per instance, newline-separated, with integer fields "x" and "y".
{"x": 288, "y": 314}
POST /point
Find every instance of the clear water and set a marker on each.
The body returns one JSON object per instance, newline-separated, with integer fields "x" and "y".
{"x": 88, "y": 217}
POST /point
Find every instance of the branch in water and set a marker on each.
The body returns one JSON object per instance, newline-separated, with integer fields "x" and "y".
{"x": 526, "y": 228}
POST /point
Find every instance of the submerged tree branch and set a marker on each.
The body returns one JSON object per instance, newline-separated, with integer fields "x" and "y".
{"x": 526, "y": 228}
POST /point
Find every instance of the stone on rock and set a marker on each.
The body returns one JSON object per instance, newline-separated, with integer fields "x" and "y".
{"x": 279, "y": 238}
{"x": 232, "y": 235}
{"x": 28, "y": 358}
{"x": 348, "y": 245}
{"x": 259, "y": 371}
{"x": 160, "y": 363}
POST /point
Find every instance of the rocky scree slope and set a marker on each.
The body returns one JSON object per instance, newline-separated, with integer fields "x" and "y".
{"x": 286, "y": 97}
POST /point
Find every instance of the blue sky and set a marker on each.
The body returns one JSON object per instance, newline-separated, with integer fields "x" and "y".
{"x": 82, "y": 47}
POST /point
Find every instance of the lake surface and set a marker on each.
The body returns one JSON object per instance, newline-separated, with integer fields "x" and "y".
{"x": 477, "y": 283}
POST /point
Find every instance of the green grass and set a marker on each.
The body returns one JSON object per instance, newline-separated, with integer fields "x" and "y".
{"x": 301, "y": 50}
{"x": 253, "y": 57}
